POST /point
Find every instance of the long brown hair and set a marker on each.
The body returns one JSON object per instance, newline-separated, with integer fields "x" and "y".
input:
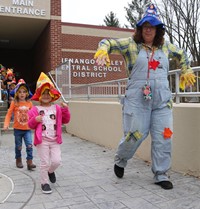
{"x": 16, "y": 97}
{"x": 158, "y": 40}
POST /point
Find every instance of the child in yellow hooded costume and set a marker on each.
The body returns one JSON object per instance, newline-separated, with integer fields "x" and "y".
{"x": 47, "y": 119}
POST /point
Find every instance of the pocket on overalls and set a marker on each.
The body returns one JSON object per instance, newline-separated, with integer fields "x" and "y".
{"x": 164, "y": 97}
{"x": 165, "y": 94}
{"x": 133, "y": 98}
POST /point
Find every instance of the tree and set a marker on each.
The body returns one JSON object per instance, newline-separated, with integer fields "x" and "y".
{"x": 135, "y": 11}
{"x": 111, "y": 20}
{"x": 181, "y": 18}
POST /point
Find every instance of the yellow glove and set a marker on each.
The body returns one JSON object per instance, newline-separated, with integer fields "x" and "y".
{"x": 187, "y": 79}
{"x": 102, "y": 57}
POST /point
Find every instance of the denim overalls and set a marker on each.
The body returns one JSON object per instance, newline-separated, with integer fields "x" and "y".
{"x": 142, "y": 117}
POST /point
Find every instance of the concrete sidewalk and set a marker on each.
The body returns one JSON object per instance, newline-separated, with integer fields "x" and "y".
{"x": 86, "y": 181}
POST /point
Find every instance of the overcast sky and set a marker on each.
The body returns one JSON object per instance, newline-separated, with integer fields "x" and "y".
{"x": 93, "y": 12}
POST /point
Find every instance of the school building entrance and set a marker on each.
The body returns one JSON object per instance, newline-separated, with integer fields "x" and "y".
{"x": 34, "y": 39}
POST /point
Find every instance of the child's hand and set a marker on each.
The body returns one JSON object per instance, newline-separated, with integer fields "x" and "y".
{"x": 38, "y": 118}
{"x": 63, "y": 104}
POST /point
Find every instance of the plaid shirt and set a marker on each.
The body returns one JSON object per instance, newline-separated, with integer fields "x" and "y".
{"x": 129, "y": 50}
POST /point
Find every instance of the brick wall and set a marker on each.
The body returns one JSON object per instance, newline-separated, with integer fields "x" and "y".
{"x": 42, "y": 55}
{"x": 55, "y": 31}
{"x": 56, "y": 54}
{"x": 89, "y": 72}
{"x": 73, "y": 41}
{"x": 56, "y": 7}
{"x": 80, "y": 47}
{"x": 47, "y": 50}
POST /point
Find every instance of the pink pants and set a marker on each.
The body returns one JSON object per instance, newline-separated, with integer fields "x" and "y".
{"x": 50, "y": 158}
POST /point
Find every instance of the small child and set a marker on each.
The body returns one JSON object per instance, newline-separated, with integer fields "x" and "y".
{"x": 9, "y": 79}
{"x": 20, "y": 106}
{"x": 11, "y": 97}
{"x": 4, "y": 92}
{"x": 47, "y": 120}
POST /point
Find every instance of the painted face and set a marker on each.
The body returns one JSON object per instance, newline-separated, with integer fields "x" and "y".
{"x": 45, "y": 97}
{"x": 148, "y": 33}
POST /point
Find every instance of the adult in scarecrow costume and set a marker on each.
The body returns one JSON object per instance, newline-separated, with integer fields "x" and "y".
{"x": 147, "y": 106}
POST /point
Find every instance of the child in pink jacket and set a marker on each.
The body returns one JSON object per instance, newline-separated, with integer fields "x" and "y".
{"x": 47, "y": 119}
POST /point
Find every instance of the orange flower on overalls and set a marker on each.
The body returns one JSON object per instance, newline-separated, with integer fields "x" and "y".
{"x": 167, "y": 133}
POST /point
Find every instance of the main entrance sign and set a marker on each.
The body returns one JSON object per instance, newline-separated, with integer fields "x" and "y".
{"x": 33, "y": 8}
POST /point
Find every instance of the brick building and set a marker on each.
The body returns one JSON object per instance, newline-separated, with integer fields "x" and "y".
{"x": 33, "y": 39}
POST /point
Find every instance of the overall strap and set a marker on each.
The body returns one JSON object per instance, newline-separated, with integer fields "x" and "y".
{"x": 136, "y": 52}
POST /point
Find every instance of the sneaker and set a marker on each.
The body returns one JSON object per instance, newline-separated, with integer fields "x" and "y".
{"x": 46, "y": 189}
{"x": 119, "y": 172}
{"x": 165, "y": 184}
{"x": 52, "y": 177}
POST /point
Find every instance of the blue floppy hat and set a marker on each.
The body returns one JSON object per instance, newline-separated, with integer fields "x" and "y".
{"x": 21, "y": 83}
{"x": 151, "y": 17}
